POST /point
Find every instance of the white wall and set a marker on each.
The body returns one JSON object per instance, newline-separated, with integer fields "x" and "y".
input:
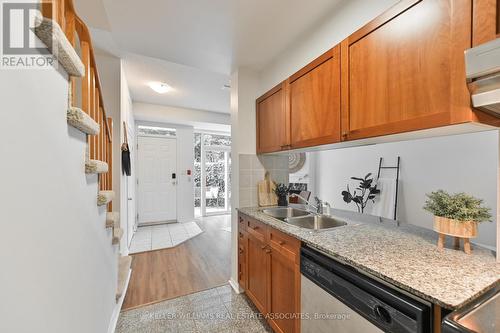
{"x": 199, "y": 119}
{"x": 244, "y": 91}
{"x": 461, "y": 163}
{"x": 185, "y": 161}
{"x": 347, "y": 18}
{"x": 58, "y": 270}
{"x": 109, "y": 74}
{"x": 128, "y": 183}
{"x": 118, "y": 105}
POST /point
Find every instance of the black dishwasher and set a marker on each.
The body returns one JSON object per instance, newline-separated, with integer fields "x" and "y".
{"x": 386, "y": 308}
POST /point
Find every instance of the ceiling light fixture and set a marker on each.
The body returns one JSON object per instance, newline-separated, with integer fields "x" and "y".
{"x": 160, "y": 87}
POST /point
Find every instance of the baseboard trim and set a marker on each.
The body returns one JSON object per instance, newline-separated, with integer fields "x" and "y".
{"x": 235, "y": 285}
{"x": 118, "y": 307}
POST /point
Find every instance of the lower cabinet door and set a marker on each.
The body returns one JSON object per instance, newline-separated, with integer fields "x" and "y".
{"x": 284, "y": 293}
{"x": 257, "y": 269}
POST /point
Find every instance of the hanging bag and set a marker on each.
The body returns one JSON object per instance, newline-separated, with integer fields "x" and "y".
{"x": 126, "y": 168}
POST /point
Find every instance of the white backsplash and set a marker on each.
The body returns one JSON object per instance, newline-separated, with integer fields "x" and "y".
{"x": 252, "y": 169}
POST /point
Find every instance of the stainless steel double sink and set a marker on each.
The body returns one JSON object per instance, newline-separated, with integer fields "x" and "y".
{"x": 303, "y": 218}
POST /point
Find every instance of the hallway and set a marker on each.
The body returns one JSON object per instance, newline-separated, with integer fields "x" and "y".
{"x": 198, "y": 264}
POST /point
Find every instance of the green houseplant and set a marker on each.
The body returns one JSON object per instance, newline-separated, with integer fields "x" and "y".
{"x": 456, "y": 215}
{"x": 282, "y": 191}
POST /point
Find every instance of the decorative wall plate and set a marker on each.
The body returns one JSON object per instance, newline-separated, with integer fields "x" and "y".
{"x": 296, "y": 161}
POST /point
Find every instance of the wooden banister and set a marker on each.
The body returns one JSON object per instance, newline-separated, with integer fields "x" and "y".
{"x": 92, "y": 102}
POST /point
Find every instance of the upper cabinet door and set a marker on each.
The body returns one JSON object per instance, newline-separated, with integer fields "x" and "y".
{"x": 314, "y": 97}
{"x": 272, "y": 121}
{"x": 405, "y": 70}
{"x": 485, "y": 21}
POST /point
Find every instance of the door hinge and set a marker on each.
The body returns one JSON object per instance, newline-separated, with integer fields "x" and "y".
{"x": 137, "y": 217}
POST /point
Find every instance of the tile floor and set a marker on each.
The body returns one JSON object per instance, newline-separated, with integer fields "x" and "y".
{"x": 162, "y": 236}
{"x": 218, "y": 310}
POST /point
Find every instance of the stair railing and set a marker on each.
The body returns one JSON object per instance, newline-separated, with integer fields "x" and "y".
{"x": 86, "y": 92}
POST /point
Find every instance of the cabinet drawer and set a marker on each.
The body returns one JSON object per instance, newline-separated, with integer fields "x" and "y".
{"x": 257, "y": 229}
{"x": 287, "y": 245}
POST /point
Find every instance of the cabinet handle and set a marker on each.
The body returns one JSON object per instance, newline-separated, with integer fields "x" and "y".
{"x": 255, "y": 227}
{"x": 263, "y": 247}
{"x": 281, "y": 242}
{"x": 268, "y": 251}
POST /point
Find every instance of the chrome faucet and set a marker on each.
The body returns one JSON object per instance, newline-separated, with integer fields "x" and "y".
{"x": 322, "y": 207}
{"x": 320, "y": 204}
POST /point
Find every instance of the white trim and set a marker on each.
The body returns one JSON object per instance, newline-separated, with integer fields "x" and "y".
{"x": 212, "y": 132}
{"x": 227, "y": 200}
{"x": 235, "y": 285}
{"x": 203, "y": 189}
{"x": 118, "y": 307}
{"x": 157, "y": 136}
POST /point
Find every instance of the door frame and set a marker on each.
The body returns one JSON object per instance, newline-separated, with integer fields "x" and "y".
{"x": 131, "y": 184}
{"x": 138, "y": 182}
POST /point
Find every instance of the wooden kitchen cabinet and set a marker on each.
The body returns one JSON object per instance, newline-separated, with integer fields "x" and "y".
{"x": 485, "y": 21}
{"x": 273, "y": 132}
{"x": 256, "y": 270}
{"x": 284, "y": 281}
{"x": 402, "y": 72}
{"x": 314, "y": 102}
{"x": 405, "y": 70}
{"x": 271, "y": 265}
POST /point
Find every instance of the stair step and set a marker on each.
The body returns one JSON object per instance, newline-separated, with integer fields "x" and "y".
{"x": 105, "y": 197}
{"x": 96, "y": 166}
{"x": 117, "y": 235}
{"x": 112, "y": 220}
{"x": 77, "y": 118}
{"x": 51, "y": 34}
{"x": 124, "y": 264}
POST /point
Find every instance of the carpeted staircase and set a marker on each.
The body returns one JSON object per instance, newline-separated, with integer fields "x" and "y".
{"x": 50, "y": 32}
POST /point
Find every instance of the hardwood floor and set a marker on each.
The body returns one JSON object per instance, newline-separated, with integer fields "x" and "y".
{"x": 200, "y": 263}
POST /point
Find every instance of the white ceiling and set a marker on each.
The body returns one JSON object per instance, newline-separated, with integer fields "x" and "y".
{"x": 192, "y": 87}
{"x": 194, "y": 45}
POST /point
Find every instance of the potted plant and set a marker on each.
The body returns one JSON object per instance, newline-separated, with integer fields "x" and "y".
{"x": 365, "y": 192}
{"x": 281, "y": 191}
{"x": 456, "y": 215}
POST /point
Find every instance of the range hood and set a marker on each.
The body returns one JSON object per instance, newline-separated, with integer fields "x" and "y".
{"x": 482, "y": 67}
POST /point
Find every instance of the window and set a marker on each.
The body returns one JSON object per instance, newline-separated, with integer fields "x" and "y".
{"x": 212, "y": 173}
{"x": 156, "y": 131}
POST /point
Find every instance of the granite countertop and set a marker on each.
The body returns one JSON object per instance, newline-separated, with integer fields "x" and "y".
{"x": 401, "y": 254}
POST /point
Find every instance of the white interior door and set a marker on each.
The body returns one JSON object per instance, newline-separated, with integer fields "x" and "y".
{"x": 157, "y": 164}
